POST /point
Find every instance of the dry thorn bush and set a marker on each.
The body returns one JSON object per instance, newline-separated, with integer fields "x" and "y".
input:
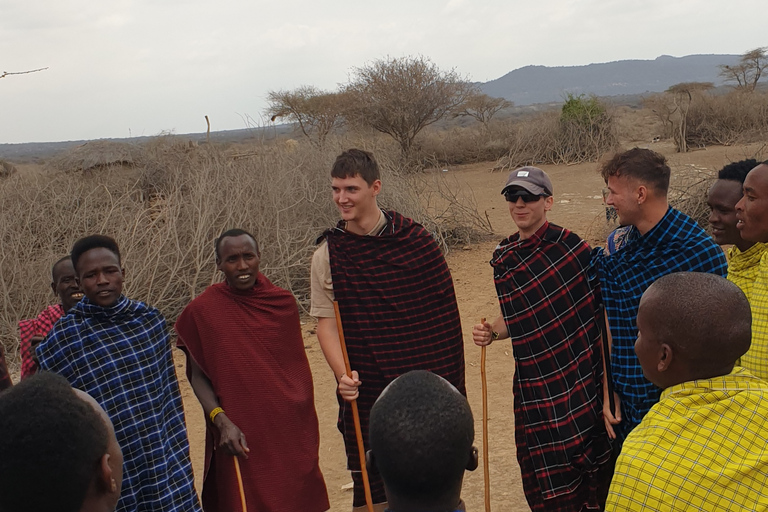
{"x": 166, "y": 210}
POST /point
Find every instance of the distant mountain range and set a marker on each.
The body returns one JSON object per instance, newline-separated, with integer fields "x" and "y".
{"x": 525, "y": 86}
{"x": 542, "y": 84}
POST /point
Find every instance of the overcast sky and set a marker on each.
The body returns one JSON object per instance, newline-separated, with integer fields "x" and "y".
{"x": 138, "y": 67}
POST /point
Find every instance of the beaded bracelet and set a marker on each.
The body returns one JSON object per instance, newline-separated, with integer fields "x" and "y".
{"x": 215, "y": 412}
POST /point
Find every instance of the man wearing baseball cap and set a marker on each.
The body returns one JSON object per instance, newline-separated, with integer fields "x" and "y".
{"x": 548, "y": 309}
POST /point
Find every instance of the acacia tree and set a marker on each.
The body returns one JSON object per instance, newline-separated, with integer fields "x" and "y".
{"x": 401, "y": 96}
{"x": 751, "y": 67}
{"x": 481, "y": 107}
{"x": 316, "y": 113}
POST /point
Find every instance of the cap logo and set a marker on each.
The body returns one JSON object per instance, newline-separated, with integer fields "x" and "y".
{"x": 522, "y": 174}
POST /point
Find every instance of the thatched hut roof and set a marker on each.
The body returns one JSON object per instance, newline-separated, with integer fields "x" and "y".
{"x": 99, "y": 153}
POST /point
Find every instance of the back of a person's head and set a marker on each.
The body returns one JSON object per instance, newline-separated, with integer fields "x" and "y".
{"x": 737, "y": 171}
{"x": 355, "y": 162}
{"x": 421, "y": 433}
{"x": 642, "y": 165}
{"x": 88, "y": 243}
{"x": 51, "y": 442}
{"x": 705, "y": 318}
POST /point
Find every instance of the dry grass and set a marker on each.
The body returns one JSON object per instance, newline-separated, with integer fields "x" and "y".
{"x": 167, "y": 208}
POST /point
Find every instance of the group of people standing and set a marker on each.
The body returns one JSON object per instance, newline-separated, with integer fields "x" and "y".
{"x": 632, "y": 351}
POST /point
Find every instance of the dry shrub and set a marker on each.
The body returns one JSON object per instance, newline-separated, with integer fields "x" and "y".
{"x": 550, "y": 139}
{"x": 738, "y": 117}
{"x": 166, "y": 214}
{"x": 462, "y": 145}
{"x": 6, "y": 169}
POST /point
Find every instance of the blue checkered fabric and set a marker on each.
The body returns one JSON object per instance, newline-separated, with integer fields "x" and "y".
{"x": 675, "y": 244}
{"x": 121, "y": 356}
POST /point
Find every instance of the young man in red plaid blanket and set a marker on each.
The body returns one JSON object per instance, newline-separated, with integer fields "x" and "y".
{"x": 396, "y": 299}
{"x": 549, "y": 307}
{"x": 34, "y": 330}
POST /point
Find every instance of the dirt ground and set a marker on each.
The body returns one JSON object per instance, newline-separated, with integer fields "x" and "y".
{"x": 578, "y": 206}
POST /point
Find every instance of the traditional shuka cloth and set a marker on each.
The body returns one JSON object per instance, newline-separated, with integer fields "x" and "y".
{"x": 250, "y": 347}
{"x": 399, "y": 313}
{"x": 39, "y": 326}
{"x": 549, "y": 304}
{"x": 675, "y": 244}
{"x": 121, "y": 356}
{"x": 701, "y": 447}
{"x": 749, "y": 271}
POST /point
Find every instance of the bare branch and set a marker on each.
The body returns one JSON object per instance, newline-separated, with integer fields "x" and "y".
{"x": 8, "y": 73}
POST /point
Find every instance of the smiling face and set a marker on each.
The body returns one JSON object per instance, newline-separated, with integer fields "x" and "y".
{"x": 65, "y": 285}
{"x": 239, "y": 259}
{"x": 530, "y": 216}
{"x": 356, "y": 200}
{"x": 623, "y": 195}
{"x": 722, "y": 199}
{"x": 752, "y": 208}
{"x": 100, "y": 276}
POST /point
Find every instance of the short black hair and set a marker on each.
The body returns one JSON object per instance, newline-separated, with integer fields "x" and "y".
{"x": 51, "y": 441}
{"x": 737, "y": 171}
{"x": 705, "y": 317}
{"x": 87, "y": 243}
{"x": 232, "y": 232}
{"x": 53, "y": 267}
{"x": 421, "y": 433}
{"x": 646, "y": 166}
{"x": 356, "y": 161}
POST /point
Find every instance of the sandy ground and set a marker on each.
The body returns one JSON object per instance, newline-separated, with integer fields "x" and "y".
{"x": 578, "y": 206}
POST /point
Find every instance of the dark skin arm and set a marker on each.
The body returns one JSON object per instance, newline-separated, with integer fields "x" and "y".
{"x": 231, "y": 439}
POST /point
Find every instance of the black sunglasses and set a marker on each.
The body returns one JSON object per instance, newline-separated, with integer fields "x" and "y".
{"x": 527, "y": 197}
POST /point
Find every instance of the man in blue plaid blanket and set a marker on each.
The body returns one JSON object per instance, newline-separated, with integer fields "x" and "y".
{"x": 657, "y": 240}
{"x": 118, "y": 351}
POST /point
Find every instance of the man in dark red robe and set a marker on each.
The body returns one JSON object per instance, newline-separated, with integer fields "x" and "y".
{"x": 247, "y": 366}
{"x": 396, "y": 298}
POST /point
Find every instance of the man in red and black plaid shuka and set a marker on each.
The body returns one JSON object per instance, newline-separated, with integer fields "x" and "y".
{"x": 34, "y": 330}
{"x": 395, "y": 293}
{"x": 549, "y": 304}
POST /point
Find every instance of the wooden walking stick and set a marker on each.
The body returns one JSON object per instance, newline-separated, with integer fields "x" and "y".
{"x": 355, "y": 413}
{"x": 486, "y": 471}
{"x": 240, "y": 484}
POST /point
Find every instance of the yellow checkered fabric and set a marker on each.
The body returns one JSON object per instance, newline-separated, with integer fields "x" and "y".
{"x": 704, "y": 446}
{"x": 749, "y": 271}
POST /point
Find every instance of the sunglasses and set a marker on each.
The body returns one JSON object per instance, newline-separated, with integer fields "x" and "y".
{"x": 527, "y": 197}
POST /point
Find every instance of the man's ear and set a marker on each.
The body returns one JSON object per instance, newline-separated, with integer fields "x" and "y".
{"x": 105, "y": 477}
{"x": 376, "y": 186}
{"x": 665, "y": 359}
{"x": 474, "y": 459}
{"x": 642, "y": 194}
{"x": 548, "y": 202}
{"x": 370, "y": 462}
{"x": 53, "y": 287}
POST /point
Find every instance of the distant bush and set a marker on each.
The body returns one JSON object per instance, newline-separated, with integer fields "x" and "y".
{"x": 167, "y": 206}
{"x": 738, "y": 117}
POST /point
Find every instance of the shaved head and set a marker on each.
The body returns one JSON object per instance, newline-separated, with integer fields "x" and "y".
{"x": 703, "y": 319}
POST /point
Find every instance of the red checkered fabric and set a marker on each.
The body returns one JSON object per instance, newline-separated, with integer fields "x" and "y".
{"x": 549, "y": 305}
{"x": 39, "y": 326}
{"x": 398, "y": 309}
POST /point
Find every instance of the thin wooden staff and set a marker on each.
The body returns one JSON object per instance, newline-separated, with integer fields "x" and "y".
{"x": 355, "y": 413}
{"x": 240, "y": 484}
{"x": 486, "y": 470}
